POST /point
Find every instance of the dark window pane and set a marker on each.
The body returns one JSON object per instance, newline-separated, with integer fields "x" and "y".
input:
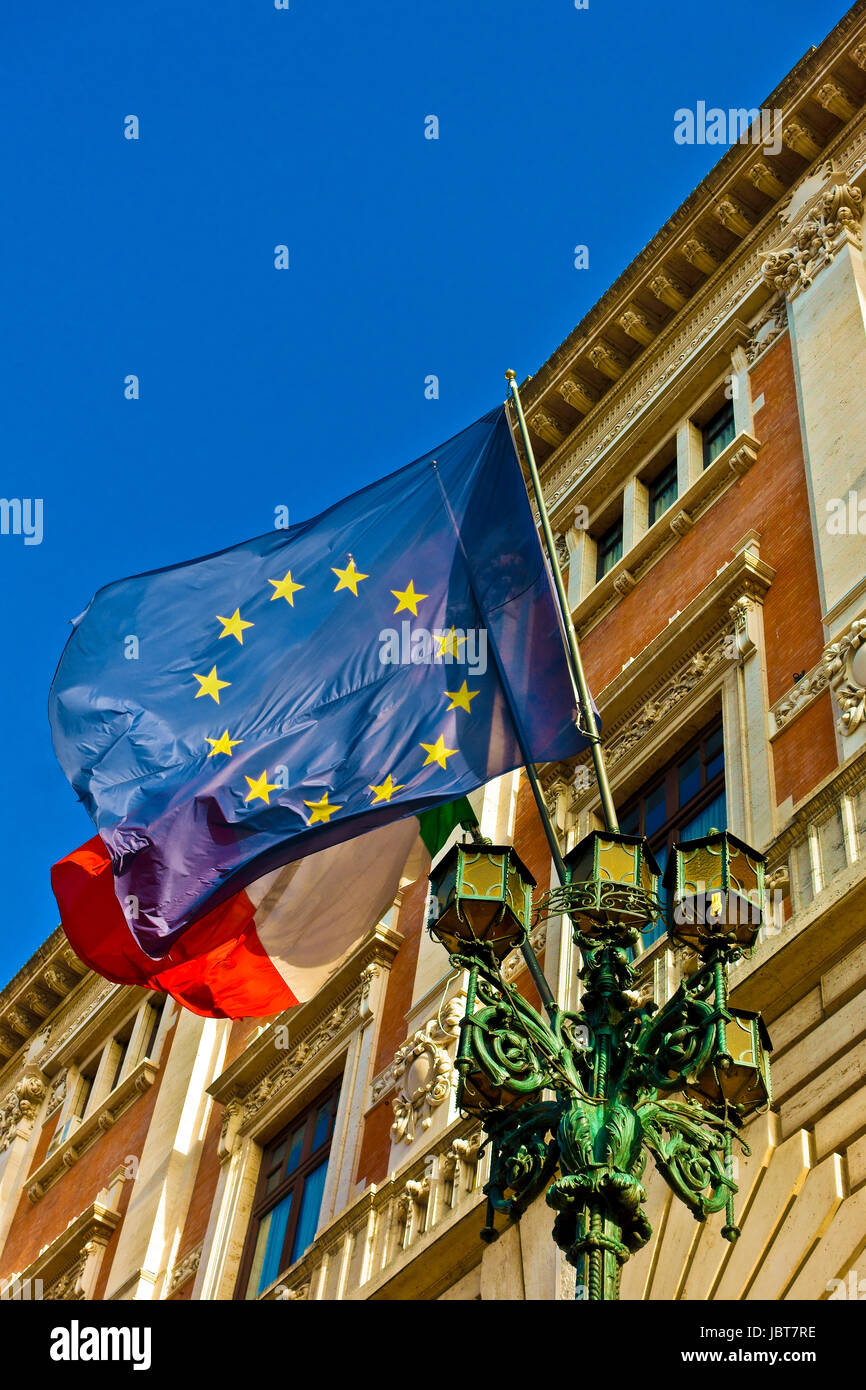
{"x": 629, "y": 824}
{"x": 323, "y": 1125}
{"x": 713, "y": 817}
{"x": 715, "y": 754}
{"x": 656, "y": 814}
{"x": 690, "y": 778}
{"x": 295, "y": 1151}
{"x": 718, "y": 433}
{"x": 308, "y": 1219}
{"x": 662, "y": 492}
{"x": 609, "y": 550}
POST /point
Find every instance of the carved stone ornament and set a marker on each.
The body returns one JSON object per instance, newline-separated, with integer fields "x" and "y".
{"x": 69, "y": 1288}
{"x": 770, "y": 326}
{"x": 845, "y": 666}
{"x": 835, "y": 220}
{"x": 424, "y": 1074}
{"x": 184, "y": 1270}
{"x": 800, "y": 696}
{"x": 19, "y": 1106}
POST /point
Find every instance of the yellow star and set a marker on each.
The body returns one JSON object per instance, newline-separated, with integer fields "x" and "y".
{"x": 437, "y": 752}
{"x": 260, "y": 787}
{"x": 210, "y": 685}
{"x": 408, "y": 599}
{"x": 449, "y": 642}
{"x": 223, "y": 744}
{"x": 321, "y": 809}
{"x": 387, "y": 789}
{"x": 234, "y": 626}
{"x": 349, "y": 578}
{"x": 461, "y": 699}
{"x": 285, "y": 588}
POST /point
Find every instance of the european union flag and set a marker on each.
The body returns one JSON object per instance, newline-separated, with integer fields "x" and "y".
{"x": 226, "y": 716}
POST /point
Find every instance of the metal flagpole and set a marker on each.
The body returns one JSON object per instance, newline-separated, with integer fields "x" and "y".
{"x": 582, "y": 689}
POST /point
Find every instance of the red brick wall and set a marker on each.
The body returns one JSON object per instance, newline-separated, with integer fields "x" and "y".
{"x": 376, "y": 1144}
{"x": 37, "y": 1224}
{"x": 805, "y": 752}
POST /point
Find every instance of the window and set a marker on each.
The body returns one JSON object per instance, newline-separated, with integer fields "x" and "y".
{"x": 718, "y": 432}
{"x": 684, "y": 800}
{"x": 662, "y": 492}
{"x": 609, "y": 550}
{"x": 289, "y": 1195}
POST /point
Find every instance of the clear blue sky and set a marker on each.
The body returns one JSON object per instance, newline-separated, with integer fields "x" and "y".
{"x": 407, "y": 257}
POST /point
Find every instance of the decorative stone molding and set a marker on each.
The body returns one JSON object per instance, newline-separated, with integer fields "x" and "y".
{"x": 268, "y": 1089}
{"x": 801, "y": 695}
{"x": 734, "y": 215}
{"x": 624, "y": 583}
{"x": 285, "y": 1056}
{"x": 669, "y": 289}
{"x": 699, "y": 253}
{"x": 762, "y": 176}
{"x": 578, "y": 394}
{"x": 412, "y": 1202}
{"x": 801, "y": 137}
{"x": 20, "y": 1106}
{"x": 184, "y": 1270}
{"x": 845, "y": 667}
{"x": 771, "y": 325}
{"x": 835, "y": 221}
{"x": 546, "y": 427}
{"x": 638, "y": 325}
{"x": 680, "y": 523}
{"x": 696, "y": 668}
{"x": 423, "y": 1073}
{"x": 836, "y": 99}
{"x": 608, "y": 360}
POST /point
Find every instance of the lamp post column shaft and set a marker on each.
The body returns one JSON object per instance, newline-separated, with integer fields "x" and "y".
{"x": 576, "y": 664}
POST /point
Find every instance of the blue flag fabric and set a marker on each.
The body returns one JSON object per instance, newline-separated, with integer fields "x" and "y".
{"x": 223, "y": 717}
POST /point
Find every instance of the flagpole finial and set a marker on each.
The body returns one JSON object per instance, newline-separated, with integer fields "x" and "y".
{"x": 510, "y": 375}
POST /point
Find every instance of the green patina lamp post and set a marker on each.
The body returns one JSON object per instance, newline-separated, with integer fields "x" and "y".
{"x": 573, "y": 1104}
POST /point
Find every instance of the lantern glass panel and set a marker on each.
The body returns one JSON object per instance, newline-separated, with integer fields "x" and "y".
{"x": 703, "y": 868}
{"x": 743, "y": 872}
{"x": 483, "y": 876}
{"x": 616, "y": 862}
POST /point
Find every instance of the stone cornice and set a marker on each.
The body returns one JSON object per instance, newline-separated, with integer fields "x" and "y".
{"x": 34, "y": 995}
{"x": 805, "y": 81}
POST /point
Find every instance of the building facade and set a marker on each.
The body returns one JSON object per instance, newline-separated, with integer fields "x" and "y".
{"x": 700, "y": 437}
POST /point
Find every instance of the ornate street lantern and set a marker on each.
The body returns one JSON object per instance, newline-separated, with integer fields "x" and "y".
{"x": 743, "y": 1082}
{"x": 613, "y": 881}
{"x": 482, "y": 895}
{"x": 716, "y": 887}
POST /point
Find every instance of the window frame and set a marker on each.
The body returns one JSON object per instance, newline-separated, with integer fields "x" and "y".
{"x": 656, "y": 491}
{"x": 718, "y": 429}
{"x": 609, "y": 540}
{"x": 265, "y": 1201}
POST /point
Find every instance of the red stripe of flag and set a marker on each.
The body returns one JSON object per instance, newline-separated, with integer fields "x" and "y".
{"x": 218, "y": 968}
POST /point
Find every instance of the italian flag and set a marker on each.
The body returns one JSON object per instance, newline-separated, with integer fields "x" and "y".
{"x": 272, "y": 945}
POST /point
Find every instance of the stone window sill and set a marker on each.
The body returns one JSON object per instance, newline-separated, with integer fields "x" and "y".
{"x": 67, "y": 1154}
{"x": 731, "y": 464}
